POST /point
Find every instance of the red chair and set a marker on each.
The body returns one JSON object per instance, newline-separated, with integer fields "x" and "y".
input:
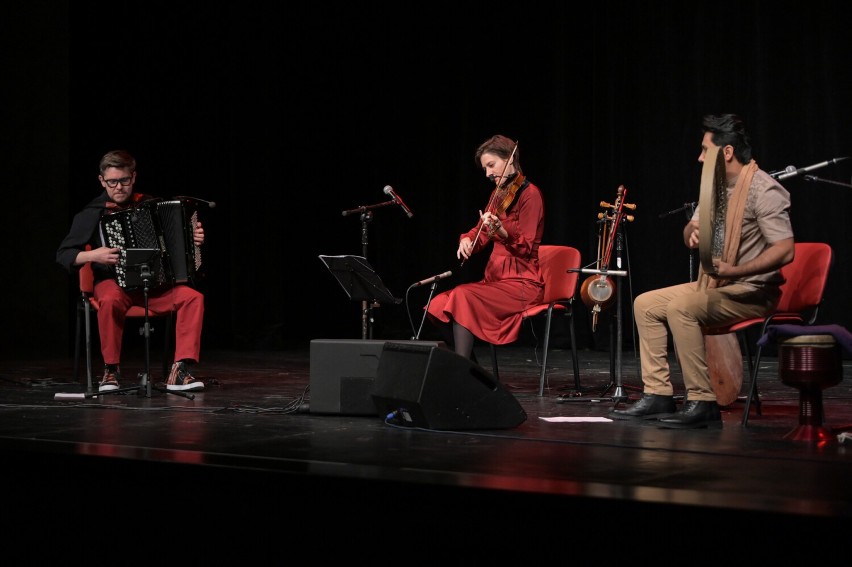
{"x": 89, "y": 304}
{"x": 801, "y": 297}
{"x": 560, "y": 288}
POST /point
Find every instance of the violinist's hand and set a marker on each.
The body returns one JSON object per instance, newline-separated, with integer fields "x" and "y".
{"x": 493, "y": 224}
{"x": 465, "y": 248}
{"x": 198, "y": 234}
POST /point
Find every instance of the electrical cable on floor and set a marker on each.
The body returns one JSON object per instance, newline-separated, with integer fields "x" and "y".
{"x": 298, "y": 405}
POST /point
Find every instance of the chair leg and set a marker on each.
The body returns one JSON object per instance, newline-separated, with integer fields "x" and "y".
{"x": 747, "y": 349}
{"x": 493, "y": 348}
{"x": 574, "y": 352}
{"x": 543, "y": 377}
{"x": 752, "y": 394}
{"x": 753, "y": 365}
{"x": 88, "y": 325}
{"x": 77, "y": 342}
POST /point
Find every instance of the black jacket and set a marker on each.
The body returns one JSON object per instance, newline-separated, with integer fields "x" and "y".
{"x": 85, "y": 229}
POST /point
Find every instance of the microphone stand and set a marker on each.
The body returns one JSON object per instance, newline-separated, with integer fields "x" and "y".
{"x": 688, "y": 207}
{"x": 792, "y": 170}
{"x": 145, "y": 274}
{"x": 689, "y": 210}
{"x": 815, "y": 178}
{"x": 432, "y": 289}
{"x": 689, "y": 213}
{"x": 366, "y": 212}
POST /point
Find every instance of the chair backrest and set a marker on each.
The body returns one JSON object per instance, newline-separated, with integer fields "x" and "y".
{"x": 555, "y": 261}
{"x": 806, "y": 277}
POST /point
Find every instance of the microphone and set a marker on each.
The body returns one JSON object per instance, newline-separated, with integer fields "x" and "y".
{"x": 792, "y": 171}
{"x": 389, "y": 191}
{"x": 433, "y": 279}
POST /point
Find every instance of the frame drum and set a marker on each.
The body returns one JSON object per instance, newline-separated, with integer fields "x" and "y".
{"x": 712, "y": 208}
{"x": 723, "y": 354}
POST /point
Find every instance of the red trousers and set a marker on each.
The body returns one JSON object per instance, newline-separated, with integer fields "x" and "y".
{"x": 114, "y": 301}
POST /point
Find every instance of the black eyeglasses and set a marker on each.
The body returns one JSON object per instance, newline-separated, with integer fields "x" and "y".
{"x": 113, "y": 183}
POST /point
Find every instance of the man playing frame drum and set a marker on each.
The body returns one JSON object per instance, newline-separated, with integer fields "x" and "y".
{"x": 743, "y": 231}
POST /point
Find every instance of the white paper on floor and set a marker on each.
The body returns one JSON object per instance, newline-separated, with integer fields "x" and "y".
{"x": 576, "y": 419}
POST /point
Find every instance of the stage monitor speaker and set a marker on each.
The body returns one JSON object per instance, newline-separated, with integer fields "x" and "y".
{"x": 421, "y": 386}
{"x": 343, "y": 373}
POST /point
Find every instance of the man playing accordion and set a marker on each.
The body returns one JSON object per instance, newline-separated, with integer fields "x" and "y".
{"x": 86, "y": 242}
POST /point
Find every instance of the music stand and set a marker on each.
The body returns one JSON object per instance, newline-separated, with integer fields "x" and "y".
{"x": 358, "y": 279}
{"x": 141, "y": 266}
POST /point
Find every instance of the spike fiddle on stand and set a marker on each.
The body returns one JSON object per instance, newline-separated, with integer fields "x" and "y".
{"x": 599, "y": 291}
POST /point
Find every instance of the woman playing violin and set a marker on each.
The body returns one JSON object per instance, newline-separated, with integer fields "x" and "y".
{"x": 513, "y": 220}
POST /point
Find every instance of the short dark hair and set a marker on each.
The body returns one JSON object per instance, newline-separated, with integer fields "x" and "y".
{"x": 119, "y": 159}
{"x": 729, "y": 130}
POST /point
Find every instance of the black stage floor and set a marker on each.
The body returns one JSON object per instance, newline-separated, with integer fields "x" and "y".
{"x": 250, "y": 452}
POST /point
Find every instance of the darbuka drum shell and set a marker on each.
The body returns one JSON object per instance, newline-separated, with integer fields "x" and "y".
{"x": 810, "y": 360}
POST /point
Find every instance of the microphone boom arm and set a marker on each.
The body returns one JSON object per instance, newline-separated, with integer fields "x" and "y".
{"x": 792, "y": 171}
{"x": 365, "y": 208}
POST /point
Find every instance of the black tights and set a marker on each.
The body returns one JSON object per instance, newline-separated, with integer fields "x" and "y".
{"x": 462, "y": 340}
{"x": 459, "y": 338}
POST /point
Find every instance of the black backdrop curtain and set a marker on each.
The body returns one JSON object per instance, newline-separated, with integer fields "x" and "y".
{"x": 286, "y": 118}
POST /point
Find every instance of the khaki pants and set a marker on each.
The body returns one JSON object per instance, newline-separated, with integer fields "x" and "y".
{"x": 683, "y": 310}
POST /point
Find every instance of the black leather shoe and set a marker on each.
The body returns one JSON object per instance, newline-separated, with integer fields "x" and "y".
{"x": 694, "y": 415}
{"x": 649, "y": 406}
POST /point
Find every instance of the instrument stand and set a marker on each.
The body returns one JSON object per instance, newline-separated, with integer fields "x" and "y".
{"x": 615, "y": 364}
{"x": 614, "y": 352}
{"x": 145, "y": 386}
{"x": 366, "y": 214}
{"x": 616, "y": 342}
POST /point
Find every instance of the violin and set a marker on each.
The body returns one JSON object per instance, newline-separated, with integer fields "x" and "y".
{"x": 503, "y": 197}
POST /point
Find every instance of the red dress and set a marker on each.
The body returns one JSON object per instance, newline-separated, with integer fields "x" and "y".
{"x": 491, "y": 308}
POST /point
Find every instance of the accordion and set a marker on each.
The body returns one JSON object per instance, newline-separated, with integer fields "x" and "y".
{"x": 165, "y": 226}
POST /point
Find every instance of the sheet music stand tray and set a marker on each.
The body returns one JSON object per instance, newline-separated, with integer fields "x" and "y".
{"x": 358, "y": 279}
{"x": 141, "y": 260}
